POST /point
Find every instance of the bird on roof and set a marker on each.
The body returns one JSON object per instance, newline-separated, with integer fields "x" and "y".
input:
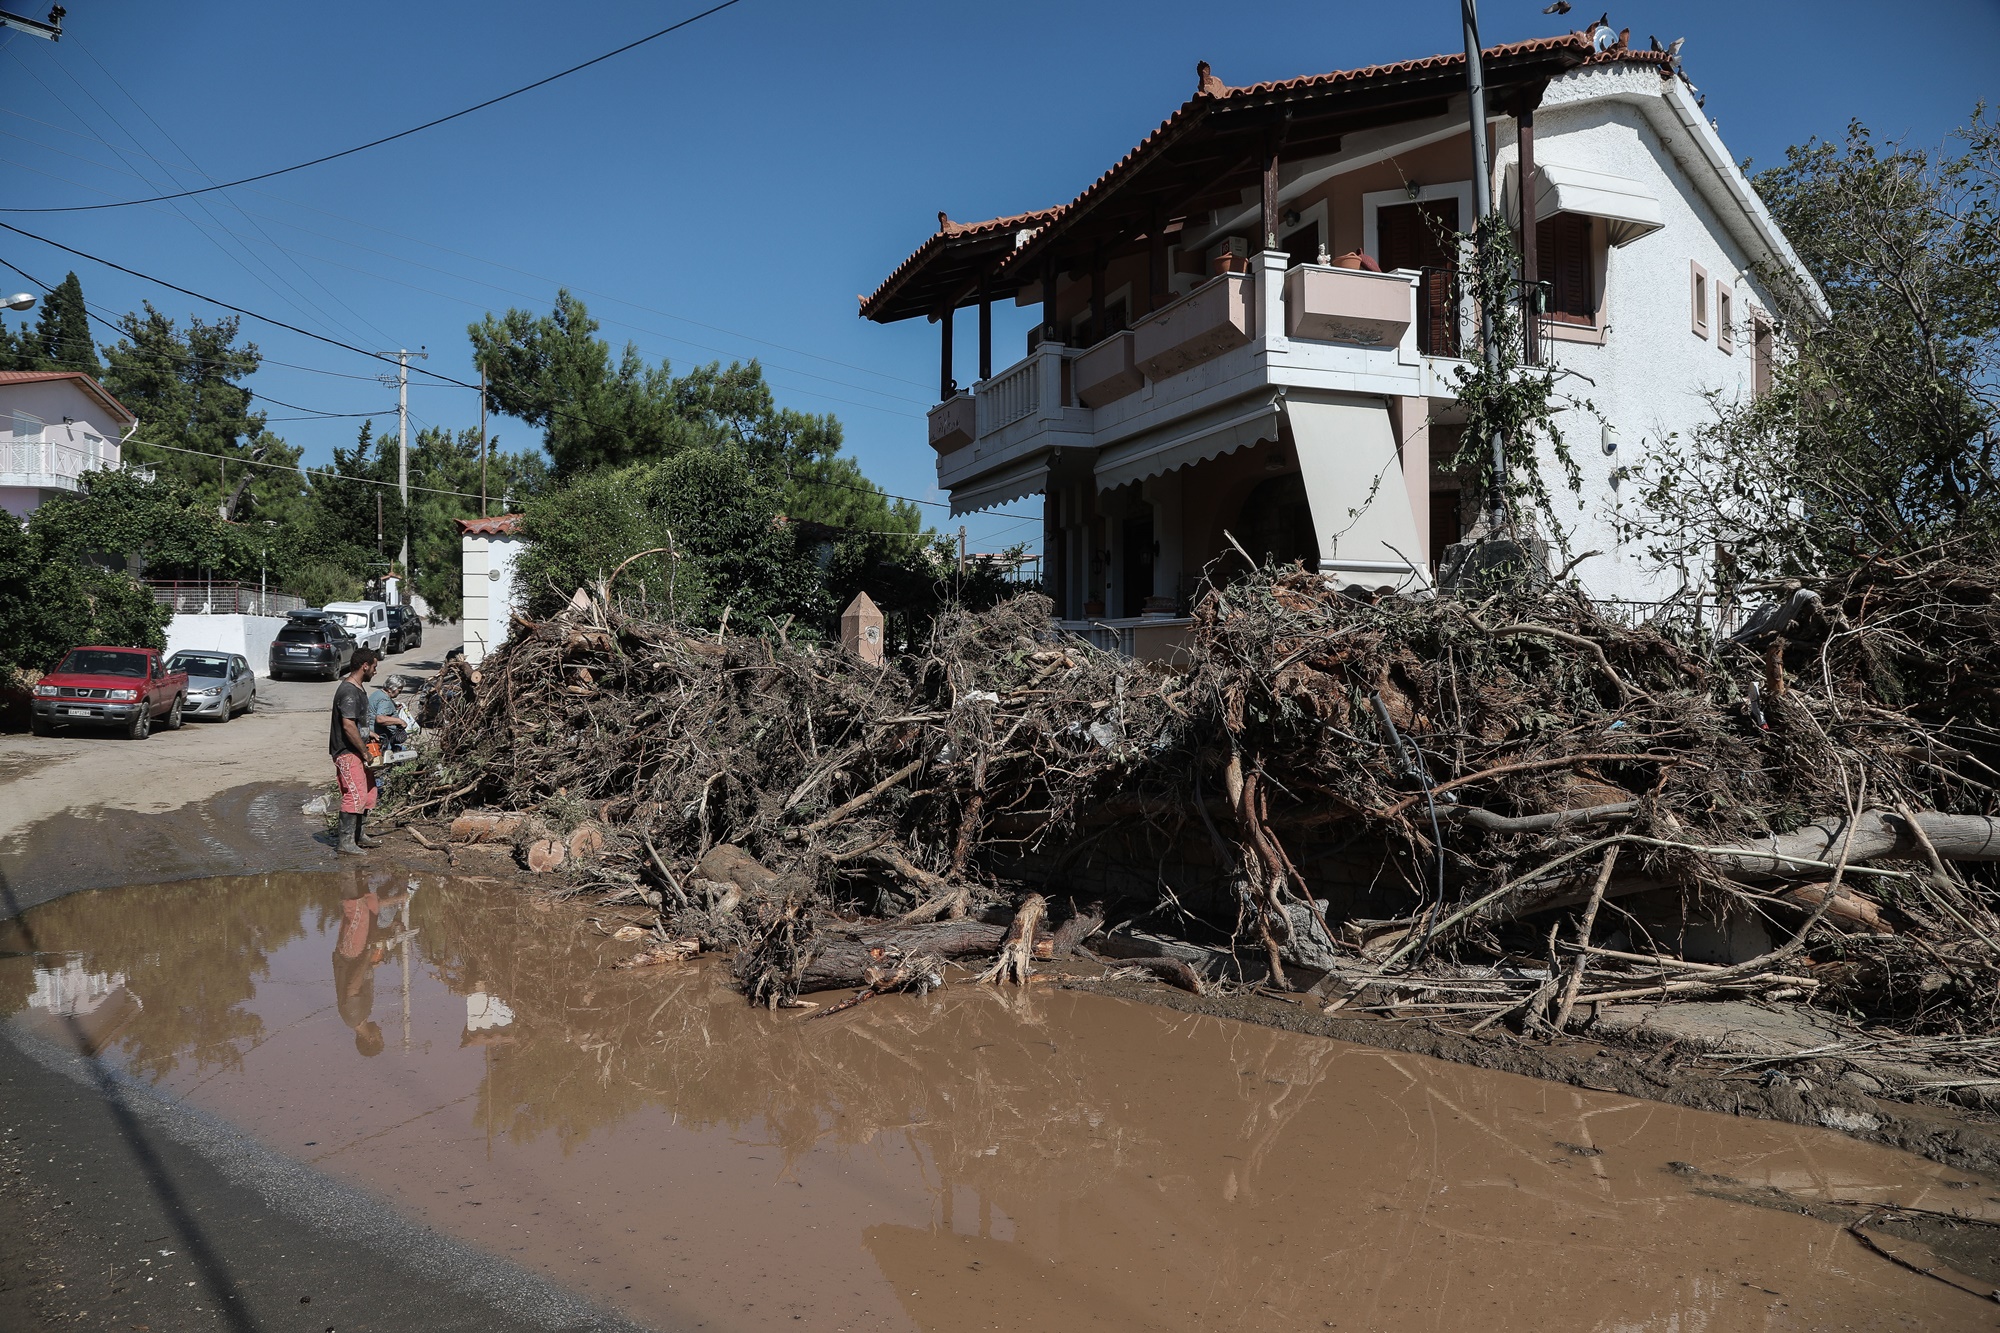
{"x": 1653, "y": 44}
{"x": 1206, "y": 84}
{"x": 1674, "y": 49}
{"x": 1603, "y": 20}
{"x": 1559, "y": 7}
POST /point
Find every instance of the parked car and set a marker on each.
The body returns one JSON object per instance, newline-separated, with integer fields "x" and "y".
{"x": 406, "y": 629}
{"x": 367, "y": 622}
{"x": 122, "y": 687}
{"x": 220, "y": 685}
{"x": 311, "y": 644}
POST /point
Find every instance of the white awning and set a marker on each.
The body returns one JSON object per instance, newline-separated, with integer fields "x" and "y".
{"x": 1222, "y": 430}
{"x": 998, "y": 488}
{"x": 1354, "y": 475}
{"x": 1627, "y": 206}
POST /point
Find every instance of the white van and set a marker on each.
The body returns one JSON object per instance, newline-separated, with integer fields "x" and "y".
{"x": 367, "y": 622}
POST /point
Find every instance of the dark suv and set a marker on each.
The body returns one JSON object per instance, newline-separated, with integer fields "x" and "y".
{"x": 406, "y": 629}
{"x": 311, "y": 646}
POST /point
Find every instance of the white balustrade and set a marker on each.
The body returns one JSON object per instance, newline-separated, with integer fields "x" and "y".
{"x": 1010, "y": 396}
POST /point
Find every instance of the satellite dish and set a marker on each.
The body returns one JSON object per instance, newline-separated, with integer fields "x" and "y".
{"x": 1602, "y": 39}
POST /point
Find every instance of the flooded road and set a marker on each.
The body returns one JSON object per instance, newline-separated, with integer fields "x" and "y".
{"x": 972, "y": 1159}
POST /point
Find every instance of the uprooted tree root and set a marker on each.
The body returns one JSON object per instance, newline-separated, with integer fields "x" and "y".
{"x": 1472, "y": 766}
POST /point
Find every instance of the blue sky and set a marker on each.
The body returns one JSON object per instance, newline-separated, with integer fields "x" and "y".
{"x": 728, "y": 190}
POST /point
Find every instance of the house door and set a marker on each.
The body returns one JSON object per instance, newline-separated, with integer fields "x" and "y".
{"x": 1138, "y": 569}
{"x": 1419, "y": 236}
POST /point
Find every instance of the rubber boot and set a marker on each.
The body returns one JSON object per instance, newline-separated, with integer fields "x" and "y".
{"x": 361, "y": 832}
{"x": 350, "y": 827}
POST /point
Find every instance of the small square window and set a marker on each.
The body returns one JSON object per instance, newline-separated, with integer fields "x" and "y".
{"x": 1725, "y": 337}
{"x": 1698, "y": 294}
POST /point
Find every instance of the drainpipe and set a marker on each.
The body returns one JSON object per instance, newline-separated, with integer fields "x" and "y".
{"x": 1482, "y": 205}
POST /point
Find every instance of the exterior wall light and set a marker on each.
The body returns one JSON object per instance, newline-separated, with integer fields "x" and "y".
{"x": 1609, "y": 435}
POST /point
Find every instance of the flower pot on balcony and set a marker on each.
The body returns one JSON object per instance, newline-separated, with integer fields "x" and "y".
{"x": 1106, "y": 372}
{"x": 1356, "y": 259}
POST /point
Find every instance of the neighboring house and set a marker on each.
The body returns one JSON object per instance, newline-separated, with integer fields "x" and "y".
{"x": 58, "y": 424}
{"x": 1218, "y": 363}
{"x": 488, "y": 548}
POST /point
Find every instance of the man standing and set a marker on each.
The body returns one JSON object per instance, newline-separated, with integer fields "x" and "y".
{"x": 348, "y": 743}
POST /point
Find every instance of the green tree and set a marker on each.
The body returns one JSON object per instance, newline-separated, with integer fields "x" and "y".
{"x": 1880, "y": 429}
{"x": 186, "y": 388}
{"x": 552, "y": 371}
{"x": 62, "y": 339}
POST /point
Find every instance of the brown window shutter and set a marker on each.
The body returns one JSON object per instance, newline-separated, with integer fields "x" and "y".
{"x": 1562, "y": 245}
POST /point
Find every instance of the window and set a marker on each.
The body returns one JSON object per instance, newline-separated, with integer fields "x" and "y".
{"x": 1302, "y": 246}
{"x": 1417, "y": 235}
{"x": 1698, "y": 293}
{"x": 1760, "y": 353}
{"x": 1725, "y": 336}
{"x": 1563, "y": 262}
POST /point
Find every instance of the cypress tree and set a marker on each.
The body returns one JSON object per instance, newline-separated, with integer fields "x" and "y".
{"x": 62, "y": 337}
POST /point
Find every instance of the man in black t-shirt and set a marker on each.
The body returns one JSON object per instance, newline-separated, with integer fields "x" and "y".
{"x": 347, "y": 742}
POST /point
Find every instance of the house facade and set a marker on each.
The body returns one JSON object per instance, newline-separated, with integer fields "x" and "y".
{"x": 1251, "y": 325}
{"x": 59, "y": 425}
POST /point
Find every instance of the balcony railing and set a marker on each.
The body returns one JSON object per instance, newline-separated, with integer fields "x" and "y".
{"x": 1011, "y": 396}
{"x": 44, "y": 458}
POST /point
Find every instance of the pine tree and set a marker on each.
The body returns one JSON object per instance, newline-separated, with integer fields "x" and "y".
{"x": 62, "y": 338}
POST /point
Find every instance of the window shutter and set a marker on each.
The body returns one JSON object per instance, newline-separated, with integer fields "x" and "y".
{"x": 1562, "y": 254}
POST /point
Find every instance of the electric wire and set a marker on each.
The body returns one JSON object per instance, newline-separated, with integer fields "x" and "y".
{"x": 359, "y": 351}
{"x": 445, "y": 249}
{"x": 400, "y": 134}
{"x": 292, "y": 297}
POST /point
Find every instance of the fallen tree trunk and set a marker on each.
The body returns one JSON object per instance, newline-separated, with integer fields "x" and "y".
{"x": 1805, "y": 853}
{"x": 865, "y": 960}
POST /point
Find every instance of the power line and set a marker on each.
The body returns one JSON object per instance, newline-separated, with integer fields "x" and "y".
{"x": 444, "y": 249}
{"x": 390, "y": 138}
{"x": 373, "y": 356}
{"x": 327, "y": 473}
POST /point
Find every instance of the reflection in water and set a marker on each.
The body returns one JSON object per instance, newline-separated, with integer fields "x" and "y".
{"x": 369, "y": 929}
{"x": 1035, "y": 1158}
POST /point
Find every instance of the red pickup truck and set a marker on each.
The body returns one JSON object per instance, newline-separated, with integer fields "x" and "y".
{"x": 121, "y": 687}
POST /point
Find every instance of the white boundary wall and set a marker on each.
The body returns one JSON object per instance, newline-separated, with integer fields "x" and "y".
{"x": 249, "y": 635}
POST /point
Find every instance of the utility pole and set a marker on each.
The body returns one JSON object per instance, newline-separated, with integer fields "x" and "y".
{"x": 1482, "y": 205}
{"x": 482, "y": 441}
{"x": 403, "y": 355}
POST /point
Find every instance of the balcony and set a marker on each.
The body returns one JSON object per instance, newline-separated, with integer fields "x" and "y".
{"x": 46, "y": 464}
{"x": 1391, "y": 335}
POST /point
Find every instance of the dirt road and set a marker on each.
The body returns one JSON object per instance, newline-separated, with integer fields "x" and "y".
{"x": 88, "y": 809}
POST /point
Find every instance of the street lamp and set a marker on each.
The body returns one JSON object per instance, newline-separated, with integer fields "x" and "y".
{"x": 22, "y": 301}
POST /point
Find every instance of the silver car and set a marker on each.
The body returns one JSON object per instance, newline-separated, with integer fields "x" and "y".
{"x": 220, "y": 685}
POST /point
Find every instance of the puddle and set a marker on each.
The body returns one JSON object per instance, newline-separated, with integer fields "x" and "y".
{"x": 969, "y": 1160}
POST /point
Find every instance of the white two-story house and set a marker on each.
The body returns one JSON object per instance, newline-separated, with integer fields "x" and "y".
{"x": 59, "y": 425}
{"x": 1250, "y": 324}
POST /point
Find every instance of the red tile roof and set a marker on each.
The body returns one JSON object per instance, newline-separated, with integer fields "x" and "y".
{"x": 1571, "y": 50}
{"x": 85, "y": 382}
{"x": 500, "y": 525}
{"x": 943, "y": 238}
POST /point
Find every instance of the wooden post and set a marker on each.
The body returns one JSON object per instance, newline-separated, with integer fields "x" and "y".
{"x": 1524, "y": 121}
{"x": 985, "y": 329}
{"x": 946, "y": 385}
{"x": 1156, "y": 265}
{"x": 1095, "y": 328}
{"x": 1049, "y": 272}
{"x": 1270, "y": 215}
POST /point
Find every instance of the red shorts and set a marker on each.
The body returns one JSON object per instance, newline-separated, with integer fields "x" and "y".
{"x": 357, "y": 784}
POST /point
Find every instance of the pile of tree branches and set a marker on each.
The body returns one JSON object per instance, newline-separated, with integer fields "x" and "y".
{"x": 1507, "y": 806}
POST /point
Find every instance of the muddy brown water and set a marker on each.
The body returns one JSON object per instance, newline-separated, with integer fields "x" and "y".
{"x": 1043, "y": 1158}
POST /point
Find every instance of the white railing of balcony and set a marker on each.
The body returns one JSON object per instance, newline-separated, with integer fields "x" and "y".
{"x": 46, "y": 458}
{"x": 1010, "y": 396}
